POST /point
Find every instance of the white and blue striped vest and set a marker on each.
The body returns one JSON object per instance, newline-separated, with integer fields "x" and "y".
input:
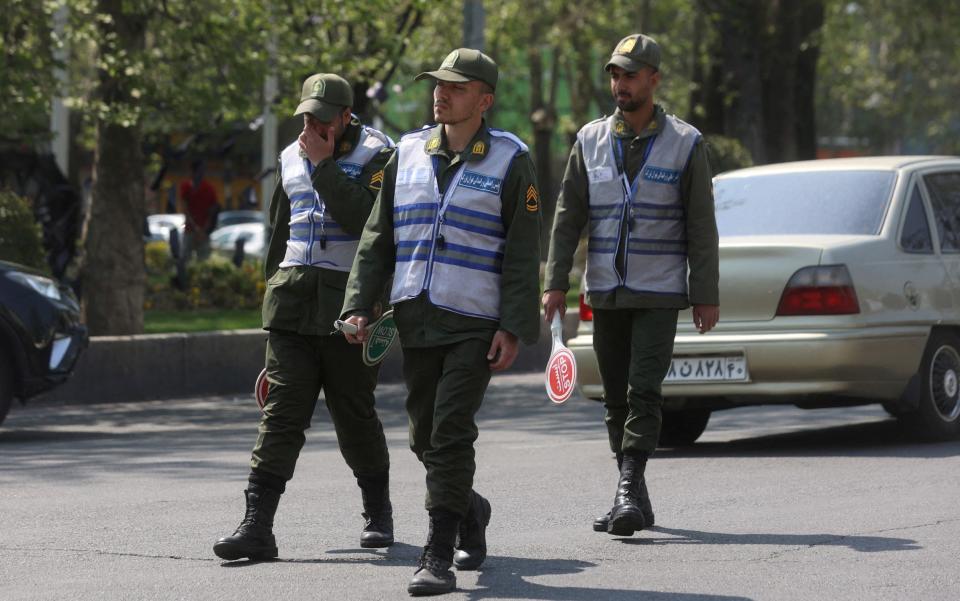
{"x": 451, "y": 246}
{"x": 315, "y": 238}
{"x": 655, "y": 258}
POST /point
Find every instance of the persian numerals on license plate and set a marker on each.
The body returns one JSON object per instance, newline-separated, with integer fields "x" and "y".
{"x": 731, "y": 368}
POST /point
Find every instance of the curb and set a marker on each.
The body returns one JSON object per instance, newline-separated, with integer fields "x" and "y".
{"x": 152, "y": 367}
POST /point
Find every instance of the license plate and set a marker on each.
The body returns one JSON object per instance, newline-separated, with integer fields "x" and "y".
{"x": 732, "y": 368}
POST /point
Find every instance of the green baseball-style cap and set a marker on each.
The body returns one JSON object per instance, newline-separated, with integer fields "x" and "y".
{"x": 635, "y": 52}
{"x": 463, "y": 65}
{"x": 324, "y": 96}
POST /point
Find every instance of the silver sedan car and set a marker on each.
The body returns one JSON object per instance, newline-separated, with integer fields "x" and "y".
{"x": 839, "y": 285}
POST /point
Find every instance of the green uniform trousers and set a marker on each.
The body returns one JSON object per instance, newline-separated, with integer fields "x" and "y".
{"x": 634, "y": 348}
{"x": 445, "y": 387}
{"x": 298, "y": 368}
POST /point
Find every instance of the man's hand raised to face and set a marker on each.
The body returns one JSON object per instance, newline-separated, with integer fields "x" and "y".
{"x": 315, "y": 145}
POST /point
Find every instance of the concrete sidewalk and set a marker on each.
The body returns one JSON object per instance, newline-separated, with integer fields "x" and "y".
{"x": 170, "y": 366}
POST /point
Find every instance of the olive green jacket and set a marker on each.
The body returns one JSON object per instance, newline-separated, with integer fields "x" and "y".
{"x": 420, "y": 323}
{"x": 696, "y": 194}
{"x": 306, "y": 299}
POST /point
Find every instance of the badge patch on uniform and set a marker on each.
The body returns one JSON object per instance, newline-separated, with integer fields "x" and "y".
{"x": 433, "y": 144}
{"x": 415, "y": 175}
{"x": 532, "y": 202}
{"x": 481, "y": 182}
{"x": 479, "y": 148}
{"x": 351, "y": 169}
{"x": 376, "y": 180}
{"x": 600, "y": 174}
{"x": 620, "y": 127}
{"x": 661, "y": 175}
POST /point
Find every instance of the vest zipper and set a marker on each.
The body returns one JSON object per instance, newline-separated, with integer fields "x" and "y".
{"x": 444, "y": 200}
{"x": 309, "y": 169}
{"x": 629, "y": 194}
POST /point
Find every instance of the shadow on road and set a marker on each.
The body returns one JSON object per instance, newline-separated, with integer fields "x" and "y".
{"x": 508, "y": 577}
{"x": 874, "y": 439}
{"x": 502, "y": 577}
{"x": 398, "y": 555}
{"x": 863, "y": 544}
{"x": 179, "y": 437}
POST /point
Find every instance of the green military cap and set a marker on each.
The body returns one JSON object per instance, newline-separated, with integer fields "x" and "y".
{"x": 324, "y": 96}
{"x": 635, "y": 52}
{"x": 463, "y": 65}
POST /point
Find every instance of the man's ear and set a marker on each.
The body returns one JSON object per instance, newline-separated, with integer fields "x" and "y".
{"x": 486, "y": 103}
{"x": 346, "y": 115}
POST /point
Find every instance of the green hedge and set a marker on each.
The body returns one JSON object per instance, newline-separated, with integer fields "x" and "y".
{"x": 21, "y": 240}
{"x": 215, "y": 283}
{"x": 727, "y": 154}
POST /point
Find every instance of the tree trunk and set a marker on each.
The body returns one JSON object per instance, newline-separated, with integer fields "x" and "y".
{"x": 811, "y": 21}
{"x": 114, "y": 272}
{"x": 543, "y": 118}
{"x": 740, "y": 27}
{"x": 581, "y": 68}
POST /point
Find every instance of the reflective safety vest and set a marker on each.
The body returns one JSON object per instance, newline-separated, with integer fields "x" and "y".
{"x": 655, "y": 257}
{"x": 451, "y": 245}
{"x": 315, "y": 238}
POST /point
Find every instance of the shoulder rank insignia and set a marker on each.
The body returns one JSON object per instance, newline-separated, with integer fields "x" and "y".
{"x": 479, "y": 148}
{"x": 376, "y": 180}
{"x": 620, "y": 127}
{"x": 433, "y": 144}
{"x": 532, "y": 202}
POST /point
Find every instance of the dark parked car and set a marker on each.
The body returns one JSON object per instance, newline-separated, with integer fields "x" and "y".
{"x": 41, "y": 336}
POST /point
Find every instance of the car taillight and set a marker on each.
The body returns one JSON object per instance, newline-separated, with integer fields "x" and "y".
{"x": 820, "y": 290}
{"x": 586, "y": 313}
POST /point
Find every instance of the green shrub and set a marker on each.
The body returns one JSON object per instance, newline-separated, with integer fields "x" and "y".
{"x": 215, "y": 283}
{"x": 21, "y": 240}
{"x": 727, "y": 154}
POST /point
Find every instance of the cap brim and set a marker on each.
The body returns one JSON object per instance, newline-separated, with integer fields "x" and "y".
{"x": 444, "y": 75}
{"x": 319, "y": 109}
{"x": 626, "y": 63}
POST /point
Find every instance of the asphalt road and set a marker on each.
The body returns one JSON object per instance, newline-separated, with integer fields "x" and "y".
{"x": 124, "y": 501}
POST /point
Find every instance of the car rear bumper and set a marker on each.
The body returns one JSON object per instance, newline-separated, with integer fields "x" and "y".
{"x": 866, "y": 363}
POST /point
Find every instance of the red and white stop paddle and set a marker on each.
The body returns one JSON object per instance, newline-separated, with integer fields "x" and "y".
{"x": 260, "y": 389}
{"x": 561, "y": 373}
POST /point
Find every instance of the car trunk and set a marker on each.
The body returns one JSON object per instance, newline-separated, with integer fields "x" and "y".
{"x": 754, "y": 270}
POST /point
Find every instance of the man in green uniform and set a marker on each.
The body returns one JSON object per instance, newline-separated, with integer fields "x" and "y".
{"x": 640, "y": 180}
{"x": 327, "y": 184}
{"x": 456, "y": 224}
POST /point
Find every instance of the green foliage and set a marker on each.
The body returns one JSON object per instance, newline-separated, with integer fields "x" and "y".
{"x": 888, "y": 76}
{"x": 215, "y": 283}
{"x": 727, "y": 154}
{"x": 26, "y": 68}
{"x": 202, "y": 320}
{"x": 20, "y": 237}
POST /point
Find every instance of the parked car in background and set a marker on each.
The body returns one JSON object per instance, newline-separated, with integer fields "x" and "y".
{"x": 224, "y": 240}
{"x": 41, "y": 336}
{"x": 159, "y": 226}
{"x": 228, "y": 218}
{"x": 839, "y": 285}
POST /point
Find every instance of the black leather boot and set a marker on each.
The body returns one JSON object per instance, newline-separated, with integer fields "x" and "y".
{"x": 377, "y": 511}
{"x": 433, "y": 575}
{"x": 626, "y": 517}
{"x": 472, "y": 543}
{"x": 600, "y": 524}
{"x": 253, "y": 538}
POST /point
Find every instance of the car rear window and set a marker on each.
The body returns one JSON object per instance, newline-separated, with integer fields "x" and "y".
{"x": 816, "y": 202}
